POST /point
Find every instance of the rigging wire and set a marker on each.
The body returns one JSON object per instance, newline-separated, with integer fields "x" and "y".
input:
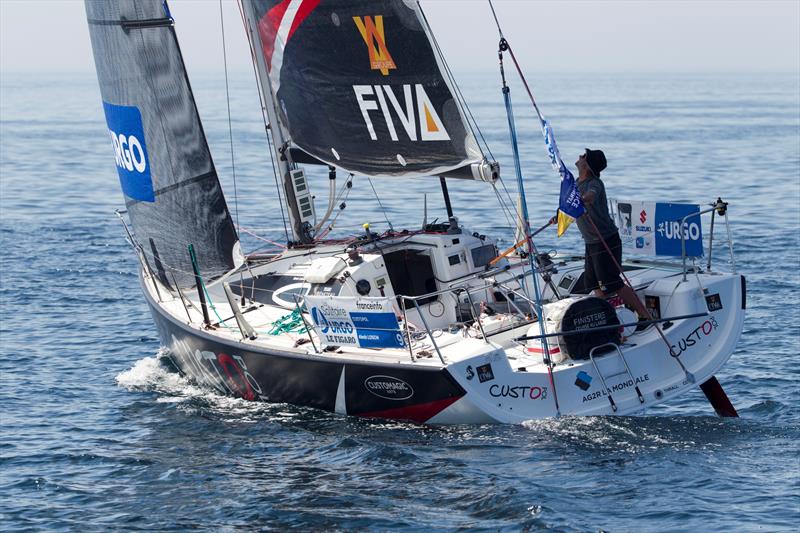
{"x": 503, "y": 206}
{"x": 230, "y": 126}
{"x": 516, "y": 64}
{"x": 380, "y": 203}
{"x": 266, "y": 121}
{"x": 459, "y": 95}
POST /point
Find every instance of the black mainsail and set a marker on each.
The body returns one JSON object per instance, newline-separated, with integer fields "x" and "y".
{"x": 168, "y": 179}
{"x": 358, "y": 85}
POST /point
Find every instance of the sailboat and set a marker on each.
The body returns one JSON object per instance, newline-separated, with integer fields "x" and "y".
{"x": 434, "y": 324}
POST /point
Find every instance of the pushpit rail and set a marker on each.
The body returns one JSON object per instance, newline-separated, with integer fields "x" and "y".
{"x": 610, "y": 327}
{"x": 718, "y": 207}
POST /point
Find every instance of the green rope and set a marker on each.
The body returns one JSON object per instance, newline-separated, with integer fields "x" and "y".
{"x": 290, "y": 323}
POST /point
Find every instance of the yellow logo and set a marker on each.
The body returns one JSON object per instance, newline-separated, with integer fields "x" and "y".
{"x": 372, "y": 32}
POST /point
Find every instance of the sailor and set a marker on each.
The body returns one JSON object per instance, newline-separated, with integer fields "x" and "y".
{"x": 602, "y": 271}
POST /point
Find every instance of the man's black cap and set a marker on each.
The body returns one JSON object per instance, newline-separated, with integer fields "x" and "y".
{"x": 596, "y": 160}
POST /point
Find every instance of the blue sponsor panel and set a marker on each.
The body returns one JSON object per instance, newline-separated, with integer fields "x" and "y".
{"x": 377, "y": 330}
{"x": 130, "y": 151}
{"x": 669, "y": 228}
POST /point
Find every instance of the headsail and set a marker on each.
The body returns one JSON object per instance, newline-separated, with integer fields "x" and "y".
{"x": 168, "y": 179}
{"x": 360, "y": 86}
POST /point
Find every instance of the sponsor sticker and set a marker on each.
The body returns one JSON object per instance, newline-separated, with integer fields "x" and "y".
{"x": 361, "y": 322}
{"x": 470, "y": 373}
{"x": 616, "y": 388}
{"x": 669, "y": 230}
{"x": 485, "y": 373}
{"x": 371, "y": 30}
{"x": 388, "y": 387}
{"x": 522, "y": 392}
{"x": 655, "y": 228}
{"x": 689, "y": 341}
{"x": 713, "y": 302}
{"x": 130, "y": 151}
{"x": 583, "y": 381}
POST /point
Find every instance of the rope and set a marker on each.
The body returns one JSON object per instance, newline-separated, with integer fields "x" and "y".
{"x": 453, "y": 81}
{"x": 506, "y": 211}
{"x": 249, "y": 232}
{"x": 346, "y": 188}
{"x": 205, "y": 290}
{"x": 383, "y": 209}
{"x": 627, "y": 281}
{"x": 228, "y": 102}
{"x": 288, "y": 323}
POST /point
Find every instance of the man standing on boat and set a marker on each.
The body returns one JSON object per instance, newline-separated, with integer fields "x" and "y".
{"x": 602, "y": 270}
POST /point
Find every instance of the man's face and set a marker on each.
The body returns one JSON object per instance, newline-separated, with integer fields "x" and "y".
{"x": 581, "y": 162}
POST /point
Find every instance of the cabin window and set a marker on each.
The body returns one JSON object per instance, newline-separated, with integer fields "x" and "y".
{"x": 411, "y": 274}
{"x": 483, "y": 254}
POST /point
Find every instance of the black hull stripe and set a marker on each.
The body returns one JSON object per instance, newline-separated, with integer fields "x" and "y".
{"x": 260, "y": 374}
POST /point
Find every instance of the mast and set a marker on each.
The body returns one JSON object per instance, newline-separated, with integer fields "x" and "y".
{"x": 280, "y": 141}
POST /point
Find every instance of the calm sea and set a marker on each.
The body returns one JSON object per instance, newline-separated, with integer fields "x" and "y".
{"x": 98, "y": 433}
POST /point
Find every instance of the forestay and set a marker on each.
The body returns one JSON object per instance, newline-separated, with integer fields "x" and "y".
{"x": 171, "y": 189}
{"x": 359, "y": 85}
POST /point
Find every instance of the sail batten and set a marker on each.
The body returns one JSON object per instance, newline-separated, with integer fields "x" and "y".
{"x": 168, "y": 179}
{"x": 358, "y": 85}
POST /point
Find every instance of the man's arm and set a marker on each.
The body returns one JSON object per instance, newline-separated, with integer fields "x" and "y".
{"x": 591, "y": 193}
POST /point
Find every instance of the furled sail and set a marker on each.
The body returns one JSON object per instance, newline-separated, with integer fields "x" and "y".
{"x": 359, "y": 85}
{"x": 168, "y": 179}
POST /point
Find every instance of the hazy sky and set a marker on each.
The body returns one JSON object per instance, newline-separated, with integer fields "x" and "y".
{"x": 46, "y": 35}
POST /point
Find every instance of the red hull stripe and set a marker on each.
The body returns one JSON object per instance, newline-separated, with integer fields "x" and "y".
{"x": 420, "y": 413}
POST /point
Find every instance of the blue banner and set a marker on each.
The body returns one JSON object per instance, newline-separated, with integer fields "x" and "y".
{"x": 377, "y": 330}
{"x": 130, "y": 151}
{"x": 363, "y": 322}
{"x": 669, "y": 228}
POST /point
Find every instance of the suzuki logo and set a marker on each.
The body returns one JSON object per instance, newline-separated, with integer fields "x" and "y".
{"x": 643, "y": 216}
{"x": 372, "y": 32}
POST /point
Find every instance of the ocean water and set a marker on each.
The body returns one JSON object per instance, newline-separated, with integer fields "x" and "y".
{"x": 98, "y": 433}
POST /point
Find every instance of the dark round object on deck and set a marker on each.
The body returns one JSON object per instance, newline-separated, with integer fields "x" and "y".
{"x": 363, "y": 287}
{"x": 587, "y": 314}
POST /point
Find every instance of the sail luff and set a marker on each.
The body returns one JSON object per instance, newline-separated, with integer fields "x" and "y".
{"x": 280, "y": 137}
